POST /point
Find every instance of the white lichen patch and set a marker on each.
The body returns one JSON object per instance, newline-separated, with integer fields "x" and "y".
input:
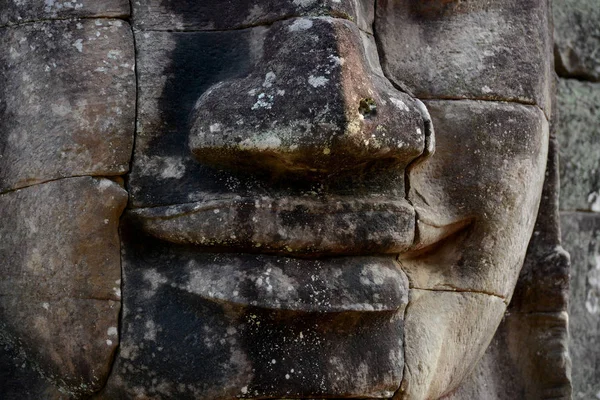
{"x": 215, "y": 128}
{"x": 155, "y": 280}
{"x": 78, "y": 45}
{"x": 301, "y": 24}
{"x": 261, "y": 142}
{"x": 304, "y": 3}
{"x": 269, "y": 79}
{"x": 104, "y": 184}
{"x": 173, "y": 167}
{"x": 263, "y": 101}
{"x": 594, "y": 201}
{"x": 150, "y": 333}
{"x": 317, "y": 81}
{"x": 399, "y": 104}
{"x": 592, "y": 302}
{"x": 112, "y": 331}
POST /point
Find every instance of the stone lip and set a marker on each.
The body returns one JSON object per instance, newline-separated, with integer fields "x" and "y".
{"x": 298, "y": 226}
{"x": 329, "y": 285}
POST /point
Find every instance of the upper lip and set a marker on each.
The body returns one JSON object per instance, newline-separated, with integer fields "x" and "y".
{"x": 299, "y": 226}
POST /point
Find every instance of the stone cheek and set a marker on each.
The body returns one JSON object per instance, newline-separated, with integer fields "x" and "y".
{"x": 467, "y": 189}
{"x": 482, "y": 49}
{"x": 67, "y": 100}
{"x": 60, "y": 291}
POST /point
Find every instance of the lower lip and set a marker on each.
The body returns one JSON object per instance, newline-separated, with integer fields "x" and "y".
{"x": 289, "y": 226}
{"x": 339, "y": 284}
{"x": 308, "y": 328}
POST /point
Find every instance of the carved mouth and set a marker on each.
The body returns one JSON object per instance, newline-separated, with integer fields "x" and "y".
{"x": 273, "y": 283}
{"x": 295, "y": 226}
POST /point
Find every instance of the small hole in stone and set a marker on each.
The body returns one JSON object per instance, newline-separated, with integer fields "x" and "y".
{"x": 367, "y": 107}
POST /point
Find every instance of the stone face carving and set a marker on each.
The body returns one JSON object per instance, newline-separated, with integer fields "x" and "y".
{"x": 300, "y": 224}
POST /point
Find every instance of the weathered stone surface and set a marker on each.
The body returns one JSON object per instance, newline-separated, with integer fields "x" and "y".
{"x": 441, "y": 348}
{"x": 67, "y": 100}
{"x": 60, "y": 286}
{"x": 578, "y": 135}
{"x": 493, "y": 50}
{"x": 209, "y": 15}
{"x": 17, "y": 11}
{"x": 525, "y": 360}
{"x": 269, "y": 141}
{"x": 577, "y": 38}
{"x": 298, "y": 114}
{"x": 528, "y": 357}
{"x": 296, "y": 226}
{"x": 333, "y": 116}
{"x": 18, "y": 381}
{"x": 543, "y": 285}
{"x": 472, "y": 225}
{"x": 581, "y": 237}
{"x": 257, "y": 326}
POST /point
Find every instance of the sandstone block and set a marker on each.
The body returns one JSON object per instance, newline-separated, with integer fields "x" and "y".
{"x": 578, "y": 133}
{"x": 60, "y": 286}
{"x": 67, "y": 100}
{"x": 577, "y": 38}
{"x": 492, "y": 50}
{"x": 581, "y": 237}
{"x": 16, "y": 11}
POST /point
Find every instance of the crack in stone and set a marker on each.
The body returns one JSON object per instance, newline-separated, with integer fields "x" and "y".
{"x": 58, "y": 298}
{"x": 256, "y": 25}
{"x": 124, "y": 18}
{"x": 460, "y": 290}
{"x": 42, "y": 182}
{"x": 117, "y": 350}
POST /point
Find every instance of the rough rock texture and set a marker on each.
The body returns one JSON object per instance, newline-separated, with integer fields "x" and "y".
{"x": 18, "y": 11}
{"x": 441, "y": 348}
{"x": 334, "y": 116}
{"x": 256, "y": 326}
{"x": 277, "y": 174}
{"x": 482, "y": 49}
{"x": 67, "y": 100}
{"x": 577, "y": 38}
{"x": 298, "y": 226}
{"x": 60, "y": 287}
{"x": 528, "y": 357}
{"x": 581, "y": 235}
{"x": 471, "y": 199}
{"x": 577, "y": 51}
{"x": 282, "y": 118}
{"x": 207, "y": 15}
{"x": 579, "y": 135}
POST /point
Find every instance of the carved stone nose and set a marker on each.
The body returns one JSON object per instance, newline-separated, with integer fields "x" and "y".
{"x": 315, "y": 103}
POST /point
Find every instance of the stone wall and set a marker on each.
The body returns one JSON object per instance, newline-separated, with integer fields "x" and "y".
{"x": 577, "y": 50}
